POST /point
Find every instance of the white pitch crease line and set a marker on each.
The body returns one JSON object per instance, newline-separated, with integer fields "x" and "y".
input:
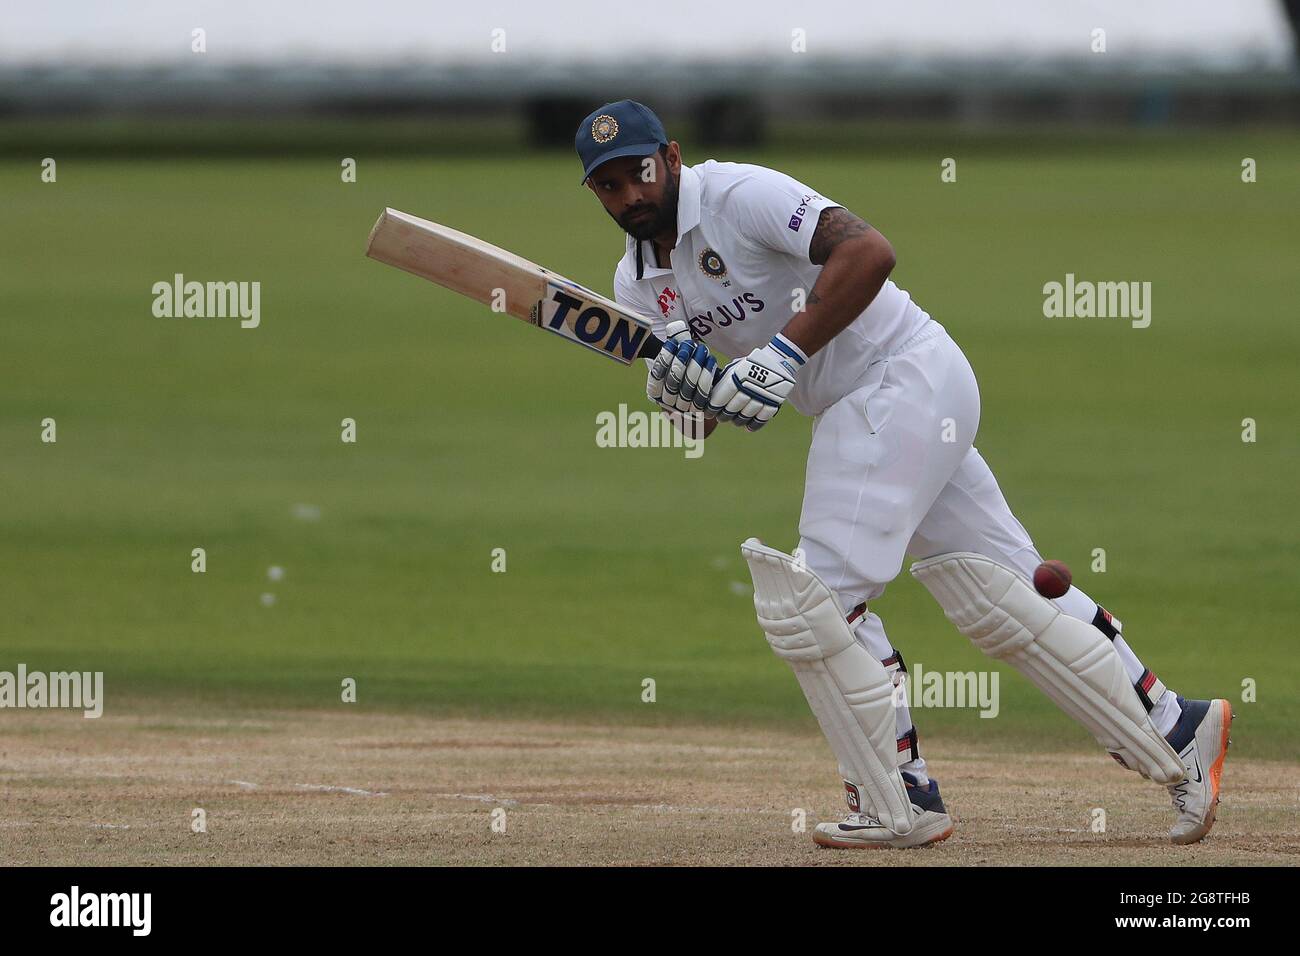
{"x": 672, "y": 809}
{"x": 507, "y": 802}
{"x": 247, "y": 785}
{"x": 1047, "y": 829}
{"x": 481, "y": 797}
{"x": 326, "y": 788}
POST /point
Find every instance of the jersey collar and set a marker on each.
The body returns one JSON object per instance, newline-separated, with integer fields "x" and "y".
{"x": 688, "y": 214}
{"x": 688, "y": 201}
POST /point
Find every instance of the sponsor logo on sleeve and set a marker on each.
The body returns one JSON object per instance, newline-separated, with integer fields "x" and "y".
{"x": 796, "y": 220}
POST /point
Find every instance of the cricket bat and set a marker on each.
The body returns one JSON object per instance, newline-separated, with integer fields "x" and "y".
{"x": 510, "y": 284}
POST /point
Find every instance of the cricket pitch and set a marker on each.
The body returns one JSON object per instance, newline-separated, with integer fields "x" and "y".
{"x": 324, "y": 788}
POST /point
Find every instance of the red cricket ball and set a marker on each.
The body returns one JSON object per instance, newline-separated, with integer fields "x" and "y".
{"x": 1052, "y": 579}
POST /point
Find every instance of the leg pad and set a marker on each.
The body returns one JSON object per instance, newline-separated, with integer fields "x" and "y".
{"x": 1071, "y": 662}
{"x": 849, "y": 691}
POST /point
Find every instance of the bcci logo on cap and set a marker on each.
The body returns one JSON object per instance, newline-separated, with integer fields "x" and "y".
{"x": 604, "y": 128}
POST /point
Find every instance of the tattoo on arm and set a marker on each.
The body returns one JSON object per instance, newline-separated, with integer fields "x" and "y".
{"x": 833, "y": 227}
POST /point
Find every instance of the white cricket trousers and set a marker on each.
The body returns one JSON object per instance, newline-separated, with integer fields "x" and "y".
{"x": 892, "y": 472}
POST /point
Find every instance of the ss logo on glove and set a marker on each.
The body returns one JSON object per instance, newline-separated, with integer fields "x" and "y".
{"x": 751, "y": 390}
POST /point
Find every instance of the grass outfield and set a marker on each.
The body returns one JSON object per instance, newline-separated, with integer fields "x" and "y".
{"x": 477, "y": 433}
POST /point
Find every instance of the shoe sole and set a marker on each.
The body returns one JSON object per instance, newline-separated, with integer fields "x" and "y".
{"x": 834, "y": 844}
{"x": 1216, "y": 777}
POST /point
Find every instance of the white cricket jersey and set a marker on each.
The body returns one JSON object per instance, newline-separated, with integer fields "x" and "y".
{"x": 742, "y": 252}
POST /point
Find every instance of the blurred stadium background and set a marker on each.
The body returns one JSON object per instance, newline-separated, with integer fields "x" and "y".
{"x": 124, "y": 75}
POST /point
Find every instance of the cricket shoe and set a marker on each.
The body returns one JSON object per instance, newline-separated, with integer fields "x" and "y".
{"x": 930, "y": 824}
{"x": 1201, "y": 739}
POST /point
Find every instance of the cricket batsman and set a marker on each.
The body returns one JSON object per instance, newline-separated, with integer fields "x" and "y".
{"x": 745, "y": 261}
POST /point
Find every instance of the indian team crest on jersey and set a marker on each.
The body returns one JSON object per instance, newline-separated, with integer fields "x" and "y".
{"x": 604, "y": 128}
{"x": 711, "y": 264}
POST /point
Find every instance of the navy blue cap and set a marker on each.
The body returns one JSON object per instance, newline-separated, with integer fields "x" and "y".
{"x": 625, "y": 128}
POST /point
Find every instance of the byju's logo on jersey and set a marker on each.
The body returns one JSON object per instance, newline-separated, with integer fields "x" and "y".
{"x": 722, "y": 315}
{"x": 711, "y": 265}
{"x": 796, "y": 220}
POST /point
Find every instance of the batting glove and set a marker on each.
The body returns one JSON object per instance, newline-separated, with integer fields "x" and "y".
{"x": 682, "y": 375}
{"x": 752, "y": 390}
